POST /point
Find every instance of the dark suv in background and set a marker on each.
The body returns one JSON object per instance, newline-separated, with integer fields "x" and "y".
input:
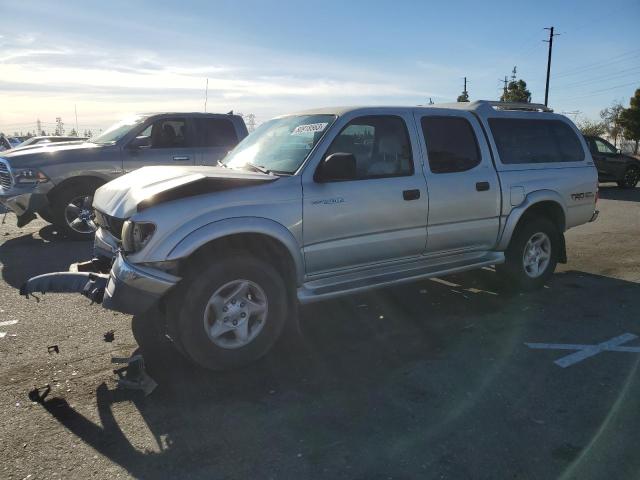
{"x": 612, "y": 164}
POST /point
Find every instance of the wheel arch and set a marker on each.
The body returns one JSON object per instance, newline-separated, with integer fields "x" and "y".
{"x": 264, "y": 238}
{"x": 544, "y": 203}
{"x": 72, "y": 181}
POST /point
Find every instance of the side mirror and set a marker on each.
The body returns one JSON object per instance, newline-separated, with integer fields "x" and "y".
{"x": 142, "y": 141}
{"x": 337, "y": 167}
{"x": 618, "y": 151}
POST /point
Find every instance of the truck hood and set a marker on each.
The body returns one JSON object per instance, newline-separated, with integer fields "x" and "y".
{"x": 150, "y": 186}
{"x": 36, "y": 155}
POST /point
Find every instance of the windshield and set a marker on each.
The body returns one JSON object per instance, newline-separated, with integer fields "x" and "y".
{"x": 280, "y": 145}
{"x": 117, "y": 131}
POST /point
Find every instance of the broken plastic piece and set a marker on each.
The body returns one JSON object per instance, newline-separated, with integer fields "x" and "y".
{"x": 134, "y": 376}
{"x": 91, "y": 285}
{"x": 36, "y": 396}
{"x": 109, "y": 336}
{"x": 53, "y": 348}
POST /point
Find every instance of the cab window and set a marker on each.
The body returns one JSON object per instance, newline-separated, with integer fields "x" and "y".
{"x": 451, "y": 144}
{"x": 380, "y": 144}
{"x": 166, "y": 133}
{"x": 604, "y": 147}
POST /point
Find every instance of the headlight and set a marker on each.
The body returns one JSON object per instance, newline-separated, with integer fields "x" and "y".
{"x": 29, "y": 176}
{"x": 135, "y": 235}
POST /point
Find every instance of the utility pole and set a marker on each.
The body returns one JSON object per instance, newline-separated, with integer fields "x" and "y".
{"x": 505, "y": 88}
{"x": 38, "y": 128}
{"x": 75, "y": 107}
{"x": 513, "y": 73}
{"x": 550, "y": 42}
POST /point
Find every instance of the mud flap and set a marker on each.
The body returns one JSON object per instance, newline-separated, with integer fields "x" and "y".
{"x": 562, "y": 256}
{"x": 91, "y": 285}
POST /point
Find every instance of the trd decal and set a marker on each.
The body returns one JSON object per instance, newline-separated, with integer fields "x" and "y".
{"x": 581, "y": 195}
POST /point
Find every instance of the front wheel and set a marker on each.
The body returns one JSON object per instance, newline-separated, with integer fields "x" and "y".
{"x": 72, "y": 211}
{"x": 532, "y": 255}
{"x": 630, "y": 179}
{"x": 232, "y": 313}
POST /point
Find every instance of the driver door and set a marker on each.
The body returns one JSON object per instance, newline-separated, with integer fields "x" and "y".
{"x": 609, "y": 163}
{"x": 169, "y": 142}
{"x": 380, "y": 216}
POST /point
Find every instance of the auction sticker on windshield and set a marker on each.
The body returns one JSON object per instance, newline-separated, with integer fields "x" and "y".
{"x": 309, "y": 128}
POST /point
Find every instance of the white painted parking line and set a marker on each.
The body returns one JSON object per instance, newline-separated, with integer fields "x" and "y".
{"x": 587, "y": 351}
{"x": 8, "y": 322}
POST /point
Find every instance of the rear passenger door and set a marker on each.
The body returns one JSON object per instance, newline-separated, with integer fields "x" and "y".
{"x": 167, "y": 141}
{"x": 464, "y": 193}
{"x": 215, "y": 137}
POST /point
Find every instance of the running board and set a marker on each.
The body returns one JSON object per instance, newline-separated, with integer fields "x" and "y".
{"x": 331, "y": 287}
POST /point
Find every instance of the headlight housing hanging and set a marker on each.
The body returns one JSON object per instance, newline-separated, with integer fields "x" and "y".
{"x": 135, "y": 235}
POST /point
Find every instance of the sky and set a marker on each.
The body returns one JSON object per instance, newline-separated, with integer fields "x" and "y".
{"x": 107, "y": 60}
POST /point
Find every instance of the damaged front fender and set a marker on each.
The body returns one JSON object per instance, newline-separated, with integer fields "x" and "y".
{"x": 91, "y": 285}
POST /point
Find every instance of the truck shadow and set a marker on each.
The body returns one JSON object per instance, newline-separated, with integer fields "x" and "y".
{"x": 29, "y": 255}
{"x": 613, "y": 192}
{"x": 373, "y": 379}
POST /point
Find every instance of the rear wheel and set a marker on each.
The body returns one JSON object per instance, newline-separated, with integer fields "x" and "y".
{"x": 630, "y": 179}
{"x": 532, "y": 255}
{"x": 72, "y": 211}
{"x": 233, "y": 312}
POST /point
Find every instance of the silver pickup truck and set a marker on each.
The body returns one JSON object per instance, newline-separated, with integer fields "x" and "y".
{"x": 58, "y": 181}
{"x": 330, "y": 202}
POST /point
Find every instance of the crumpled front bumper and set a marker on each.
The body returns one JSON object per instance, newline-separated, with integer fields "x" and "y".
{"x": 127, "y": 288}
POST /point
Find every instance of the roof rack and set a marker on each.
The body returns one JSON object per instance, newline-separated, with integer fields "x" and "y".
{"x": 528, "y": 107}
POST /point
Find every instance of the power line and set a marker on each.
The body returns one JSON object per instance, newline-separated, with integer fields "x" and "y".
{"x": 601, "y": 78}
{"x": 601, "y": 63}
{"x": 604, "y": 90}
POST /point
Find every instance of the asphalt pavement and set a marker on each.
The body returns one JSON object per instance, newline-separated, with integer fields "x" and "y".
{"x": 448, "y": 378}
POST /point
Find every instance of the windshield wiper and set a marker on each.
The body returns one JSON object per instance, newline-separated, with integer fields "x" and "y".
{"x": 258, "y": 168}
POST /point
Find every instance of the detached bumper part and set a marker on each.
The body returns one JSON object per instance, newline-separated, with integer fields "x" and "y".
{"x": 91, "y": 285}
{"x": 127, "y": 288}
{"x": 134, "y": 289}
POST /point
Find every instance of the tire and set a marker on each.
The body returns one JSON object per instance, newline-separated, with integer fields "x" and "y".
{"x": 519, "y": 270}
{"x": 254, "y": 297}
{"x": 80, "y": 196}
{"x": 46, "y": 214}
{"x": 630, "y": 179}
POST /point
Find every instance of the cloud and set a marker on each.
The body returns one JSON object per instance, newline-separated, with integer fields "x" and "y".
{"x": 111, "y": 80}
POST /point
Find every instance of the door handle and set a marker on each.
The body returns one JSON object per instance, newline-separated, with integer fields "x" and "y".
{"x": 409, "y": 195}
{"x": 181, "y": 159}
{"x": 482, "y": 186}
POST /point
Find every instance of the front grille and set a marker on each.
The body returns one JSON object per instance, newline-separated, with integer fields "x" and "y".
{"x": 5, "y": 176}
{"x": 112, "y": 224}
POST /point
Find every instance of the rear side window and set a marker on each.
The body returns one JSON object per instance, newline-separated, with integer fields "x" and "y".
{"x": 451, "y": 144}
{"x": 216, "y": 132}
{"x": 535, "y": 141}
